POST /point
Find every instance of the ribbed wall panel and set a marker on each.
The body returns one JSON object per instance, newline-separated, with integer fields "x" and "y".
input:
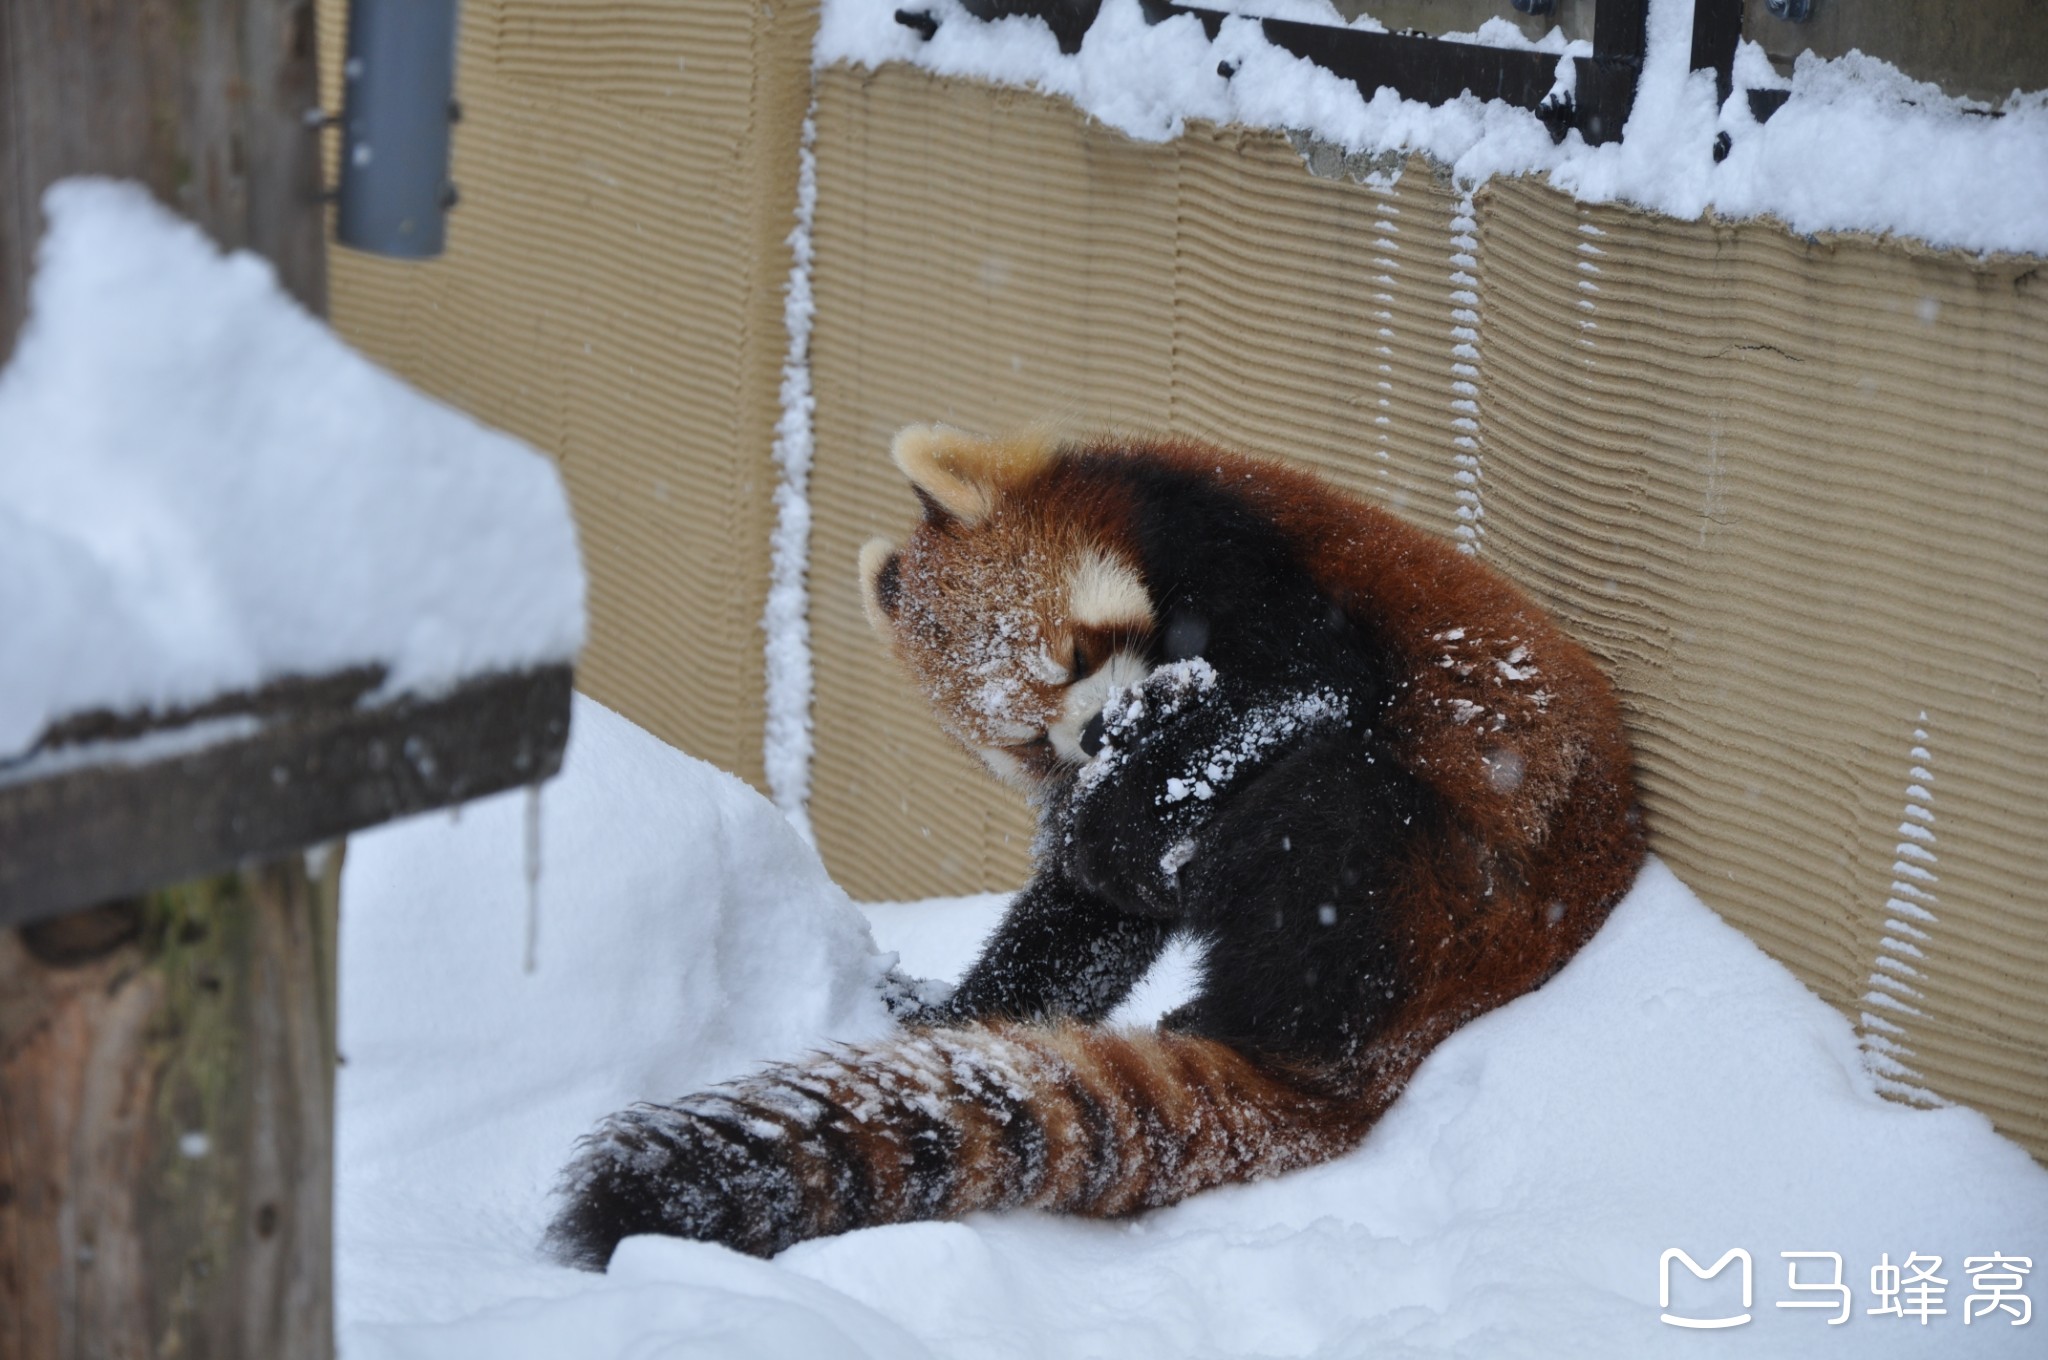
{"x": 612, "y": 293}
{"x": 947, "y": 292}
{"x": 1793, "y": 488}
{"x": 1313, "y": 317}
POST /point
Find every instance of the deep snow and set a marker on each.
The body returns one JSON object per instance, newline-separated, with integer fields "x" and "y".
{"x": 1673, "y": 1087}
{"x": 202, "y": 489}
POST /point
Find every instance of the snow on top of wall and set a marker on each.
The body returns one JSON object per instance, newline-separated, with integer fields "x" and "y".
{"x": 1860, "y": 147}
{"x": 202, "y": 489}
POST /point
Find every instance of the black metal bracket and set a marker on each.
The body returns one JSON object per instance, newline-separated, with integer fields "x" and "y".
{"x": 1716, "y": 29}
{"x": 919, "y": 21}
{"x": 1764, "y": 103}
{"x": 1069, "y": 20}
{"x": 1434, "y": 70}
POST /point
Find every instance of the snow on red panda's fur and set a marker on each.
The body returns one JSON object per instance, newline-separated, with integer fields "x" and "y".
{"x": 1369, "y": 776}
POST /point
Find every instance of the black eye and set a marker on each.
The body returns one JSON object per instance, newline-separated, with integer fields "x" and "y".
{"x": 1078, "y": 667}
{"x": 889, "y": 584}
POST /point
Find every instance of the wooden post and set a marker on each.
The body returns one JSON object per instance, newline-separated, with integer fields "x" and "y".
{"x": 167, "y": 1058}
{"x": 202, "y": 100}
{"x": 166, "y": 1115}
{"x": 167, "y": 1062}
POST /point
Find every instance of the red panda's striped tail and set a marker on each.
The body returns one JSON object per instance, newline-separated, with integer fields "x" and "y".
{"x": 943, "y": 1122}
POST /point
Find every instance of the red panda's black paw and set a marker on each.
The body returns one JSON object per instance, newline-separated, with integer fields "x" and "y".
{"x": 916, "y": 1001}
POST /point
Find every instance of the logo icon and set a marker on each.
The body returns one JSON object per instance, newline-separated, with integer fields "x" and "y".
{"x": 1664, "y": 1286}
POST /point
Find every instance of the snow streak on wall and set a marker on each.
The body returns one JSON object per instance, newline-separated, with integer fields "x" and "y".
{"x": 786, "y": 739}
{"x": 1909, "y": 913}
{"x": 1789, "y": 488}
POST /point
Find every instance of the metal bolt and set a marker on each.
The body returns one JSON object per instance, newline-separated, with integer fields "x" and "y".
{"x": 920, "y": 22}
{"x": 1791, "y": 11}
{"x": 1535, "y": 6}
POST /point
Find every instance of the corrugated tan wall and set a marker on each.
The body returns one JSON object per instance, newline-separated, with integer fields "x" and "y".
{"x": 612, "y": 293}
{"x": 1795, "y": 491}
{"x": 1791, "y": 490}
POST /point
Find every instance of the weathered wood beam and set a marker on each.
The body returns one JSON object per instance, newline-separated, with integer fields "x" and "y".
{"x": 111, "y": 805}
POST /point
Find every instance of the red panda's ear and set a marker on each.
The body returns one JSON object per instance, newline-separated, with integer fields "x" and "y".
{"x": 959, "y": 474}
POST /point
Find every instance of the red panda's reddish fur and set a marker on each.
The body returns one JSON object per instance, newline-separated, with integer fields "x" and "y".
{"x": 1569, "y": 821}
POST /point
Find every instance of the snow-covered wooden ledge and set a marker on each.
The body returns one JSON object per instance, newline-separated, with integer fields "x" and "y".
{"x": 256, "y": 594}
{"x": 109, "y": 806}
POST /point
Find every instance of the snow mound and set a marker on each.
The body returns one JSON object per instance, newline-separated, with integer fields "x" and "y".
{"x": 686, "y": 934}
{"x": 202, "y": 489}
{"x": 1673, "y": 1087}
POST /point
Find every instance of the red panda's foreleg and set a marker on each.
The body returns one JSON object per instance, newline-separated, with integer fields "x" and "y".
{"x": 1059, "y": 952}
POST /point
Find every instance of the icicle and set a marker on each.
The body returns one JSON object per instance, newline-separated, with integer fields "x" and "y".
{"x": 532, "y": 876}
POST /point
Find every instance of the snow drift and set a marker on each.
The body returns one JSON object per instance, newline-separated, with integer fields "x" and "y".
{"x": 1673, "y": 1087}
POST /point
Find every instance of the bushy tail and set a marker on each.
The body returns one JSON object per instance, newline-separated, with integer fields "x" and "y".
{"x": 939, "y": 1123}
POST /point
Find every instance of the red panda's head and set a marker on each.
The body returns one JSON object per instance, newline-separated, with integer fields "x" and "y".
{"x": 1017, "y": 604}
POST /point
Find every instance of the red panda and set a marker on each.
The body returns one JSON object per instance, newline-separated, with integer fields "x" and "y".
{"x": 1372, "y": 778}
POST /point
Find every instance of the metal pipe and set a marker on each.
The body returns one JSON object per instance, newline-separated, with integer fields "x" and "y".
{"x": 397, "y": 109}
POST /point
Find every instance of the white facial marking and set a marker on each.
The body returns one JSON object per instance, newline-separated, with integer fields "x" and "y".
{"x": 1042, "y": 668}
{"x": 1085, "y": 698}
{"x": 1102, "y": 590}
{"x": 1002, "y": 729}
{"x": 1003, "y": 765}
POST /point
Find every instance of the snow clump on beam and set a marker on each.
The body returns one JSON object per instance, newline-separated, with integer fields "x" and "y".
{"x": 203, "y": 490}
